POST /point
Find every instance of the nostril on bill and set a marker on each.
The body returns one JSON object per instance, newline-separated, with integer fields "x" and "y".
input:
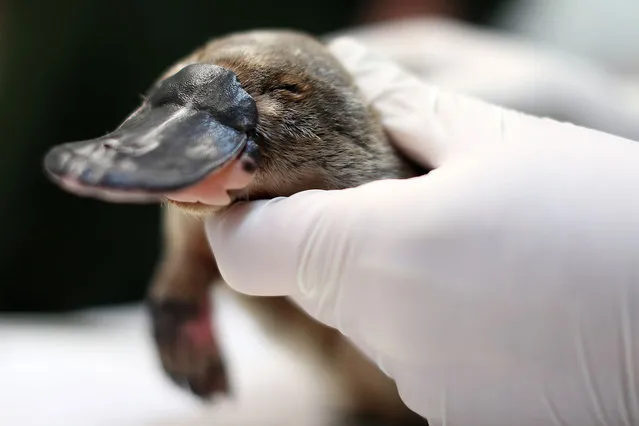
{"x": 109, "y": 144}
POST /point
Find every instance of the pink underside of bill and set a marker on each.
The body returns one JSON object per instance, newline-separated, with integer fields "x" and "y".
{"x": 213, "y": 189}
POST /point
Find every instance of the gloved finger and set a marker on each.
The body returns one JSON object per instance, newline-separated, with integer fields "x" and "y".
{"x": 426, "y": 123}
{"x": 259, "y": 246}
{"x": 499, "y": 68}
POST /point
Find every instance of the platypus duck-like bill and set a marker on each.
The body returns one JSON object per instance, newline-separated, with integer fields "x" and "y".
{"x": 182, "y": 142}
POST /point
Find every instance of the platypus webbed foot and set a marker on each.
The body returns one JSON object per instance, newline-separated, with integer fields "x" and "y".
{"x": 187, "y": 348}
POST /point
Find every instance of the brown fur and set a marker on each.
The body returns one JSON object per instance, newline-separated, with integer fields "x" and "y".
{"x": 315, "y": 132}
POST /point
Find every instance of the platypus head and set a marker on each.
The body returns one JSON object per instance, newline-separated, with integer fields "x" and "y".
{"x": 248, "y": 116}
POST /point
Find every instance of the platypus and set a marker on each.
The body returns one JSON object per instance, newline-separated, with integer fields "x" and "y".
{"x": 251, "y": 115}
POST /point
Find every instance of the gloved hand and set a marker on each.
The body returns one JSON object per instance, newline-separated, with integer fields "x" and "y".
{"x": 500, "y": 289}
{"x": 503, "y": 69}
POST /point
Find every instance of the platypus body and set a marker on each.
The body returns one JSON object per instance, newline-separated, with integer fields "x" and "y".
{"x": 249, "y": 116}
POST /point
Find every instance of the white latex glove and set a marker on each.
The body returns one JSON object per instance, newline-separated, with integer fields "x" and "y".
{"x": 501, "y": 68}
{"x": 500, "y": 289}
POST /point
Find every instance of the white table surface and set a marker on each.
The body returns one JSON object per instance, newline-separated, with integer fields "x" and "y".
{"x": 99, "y": 368}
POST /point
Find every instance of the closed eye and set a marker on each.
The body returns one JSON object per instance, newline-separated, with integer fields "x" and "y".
{"x": 292, "y": 88}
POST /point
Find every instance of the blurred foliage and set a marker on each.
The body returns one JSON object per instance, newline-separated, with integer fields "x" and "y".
{"x": 71, "y": 70}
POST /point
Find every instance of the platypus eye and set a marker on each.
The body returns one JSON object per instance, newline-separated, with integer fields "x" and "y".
{"x": 291, "y": 88}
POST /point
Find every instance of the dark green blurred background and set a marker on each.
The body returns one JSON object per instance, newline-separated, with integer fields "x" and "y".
{"x": 73, "y": 69}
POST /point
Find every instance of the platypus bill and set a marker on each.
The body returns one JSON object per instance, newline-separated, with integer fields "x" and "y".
{"x": 189, "y": 126}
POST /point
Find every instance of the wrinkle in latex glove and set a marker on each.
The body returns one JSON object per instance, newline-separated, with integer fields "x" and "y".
{"x": 501, "y": 288}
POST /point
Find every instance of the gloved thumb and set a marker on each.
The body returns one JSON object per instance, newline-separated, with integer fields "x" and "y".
{"x": 428, "y": 124}
{"x": 261, "y": 247}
